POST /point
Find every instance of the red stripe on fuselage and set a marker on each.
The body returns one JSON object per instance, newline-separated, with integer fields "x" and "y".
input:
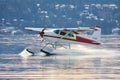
{"x": 78, "y": 39}
{"x": 85, "y": 40}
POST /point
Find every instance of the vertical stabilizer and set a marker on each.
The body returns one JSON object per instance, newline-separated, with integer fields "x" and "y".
{"x": 97, "y": 33}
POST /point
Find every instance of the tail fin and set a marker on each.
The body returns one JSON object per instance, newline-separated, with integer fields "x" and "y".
{"x": 97, "y": 33}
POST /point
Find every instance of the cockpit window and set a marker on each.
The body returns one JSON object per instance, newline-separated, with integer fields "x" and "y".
{"x": 57, "y": 31}
{"x": 70, "y": 35}
{"x": 64, "y": 33}
{"x": 60, "y": 32}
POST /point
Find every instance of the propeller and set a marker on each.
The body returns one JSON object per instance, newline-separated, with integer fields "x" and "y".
{"x": 42, "y": 32}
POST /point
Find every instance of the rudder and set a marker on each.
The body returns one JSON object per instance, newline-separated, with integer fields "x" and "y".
{"x": 97, "y": 33}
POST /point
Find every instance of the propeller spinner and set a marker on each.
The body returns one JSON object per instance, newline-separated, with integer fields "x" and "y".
{"x": 42, "y": 32}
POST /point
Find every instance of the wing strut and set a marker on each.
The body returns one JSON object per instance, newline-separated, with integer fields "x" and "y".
{"x": 45, "y": 51}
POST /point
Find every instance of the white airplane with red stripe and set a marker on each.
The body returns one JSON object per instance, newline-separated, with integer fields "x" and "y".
{"x": 70, "y": 35}
{"x": 63, "y": 36}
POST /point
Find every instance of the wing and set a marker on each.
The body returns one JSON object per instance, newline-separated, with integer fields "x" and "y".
{"x": 34, "y": 29}
{"x": 75, "y": 30}
{"x": 83, "y": 29}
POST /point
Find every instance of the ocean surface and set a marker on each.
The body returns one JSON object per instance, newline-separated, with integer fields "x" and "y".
{"x": 81, "y": 62}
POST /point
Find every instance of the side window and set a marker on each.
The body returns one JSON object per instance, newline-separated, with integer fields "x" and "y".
{"x": 62, "y": 33}
{"x": 70, "y": 35}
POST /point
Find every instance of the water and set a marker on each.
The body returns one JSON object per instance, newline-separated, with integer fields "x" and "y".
{"x": 78, "y": 63}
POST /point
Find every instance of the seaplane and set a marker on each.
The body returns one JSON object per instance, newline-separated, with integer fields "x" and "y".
{"x": 66, "y": 36}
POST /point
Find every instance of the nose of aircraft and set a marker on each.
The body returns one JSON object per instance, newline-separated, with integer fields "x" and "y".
{"x": 41, "y": 34}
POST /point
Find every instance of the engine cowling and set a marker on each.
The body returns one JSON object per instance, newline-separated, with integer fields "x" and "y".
{"x": 42, "y": 32}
